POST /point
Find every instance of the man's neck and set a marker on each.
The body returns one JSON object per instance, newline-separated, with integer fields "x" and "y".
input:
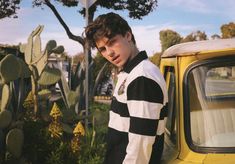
{"x": 134, "y": 52}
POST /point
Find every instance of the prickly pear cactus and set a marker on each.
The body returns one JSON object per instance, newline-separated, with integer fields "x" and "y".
{"x": 14, "y": 142}
{"x": 33, "y": 53}
{"x": 6, "y": 97}
{"x": 37, "y": 61}
{"x": 7, "y": 71}
{"x": 5, "y": 119}
{"x": 32, "y": 49}
{"x": 58, "y": 50}
{"x": 49, "y": 76}
{"x": 51, "y": 44}
{"x": 25, "y": 71}
{"x": 41, "y": 64}
{"x": 2, "y": 141}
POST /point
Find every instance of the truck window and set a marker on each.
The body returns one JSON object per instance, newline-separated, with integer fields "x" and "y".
{"x": 212, "y": 105}
{"x": 171, "y": 121}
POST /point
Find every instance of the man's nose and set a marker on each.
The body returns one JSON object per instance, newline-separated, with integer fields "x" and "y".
{"x": 110, "y": 52}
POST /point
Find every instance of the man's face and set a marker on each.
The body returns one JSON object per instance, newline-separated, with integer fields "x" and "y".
{"x": 116, "y": 50}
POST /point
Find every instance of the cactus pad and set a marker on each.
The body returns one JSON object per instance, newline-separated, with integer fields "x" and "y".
{"x": 33, "y": 46}
{"x": 51, "y": 44}
{"x": 58, "y": 49}
{"x": 25, "y": 73}
{"x": 2, "y": 138}
{"x": 10, "y": 68}
{"x": 5, "y": 119}
{"x": 34, "y": 71}
{"x": 14, "y": 142}
{"x": 6, "y": 97}
{"x": 49, "y": 76}
{"x": 41, "y": 63}
{"x": 22, "y": 47}
{"x": 37, "y": 46}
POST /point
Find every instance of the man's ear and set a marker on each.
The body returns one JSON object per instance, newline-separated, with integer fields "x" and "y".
{"x": 128, "y": 35}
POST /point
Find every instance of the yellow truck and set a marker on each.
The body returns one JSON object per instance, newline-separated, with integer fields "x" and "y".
{"x": 200, "y": 77}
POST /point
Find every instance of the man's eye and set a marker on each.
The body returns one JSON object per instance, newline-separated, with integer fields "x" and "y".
{"x": 102, "y": 49}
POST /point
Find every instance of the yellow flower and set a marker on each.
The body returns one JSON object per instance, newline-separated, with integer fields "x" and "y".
{"x": 56, "y": 130}
{"x": 28, "y": 102}
{"x": 55, "y": 111}
{"x": 75, "y": 144}
{"x": 79, "y": 130}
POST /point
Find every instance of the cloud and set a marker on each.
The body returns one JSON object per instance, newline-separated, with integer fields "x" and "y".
{"x": 198, "y": 6}
{"x": 71, "y": 46}
{"x": 211, "y": 7}
{"x": 224, "y": 9}
{"x": 11, "y": 31}
{"x": 14, "y": 35}
{"x": 147, "y": 37}
{"x": 15, "y": 31}
{"x": 185, "y": 29}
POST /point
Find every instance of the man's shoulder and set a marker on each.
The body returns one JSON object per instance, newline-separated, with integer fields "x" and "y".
{"x": 145, "y": 68}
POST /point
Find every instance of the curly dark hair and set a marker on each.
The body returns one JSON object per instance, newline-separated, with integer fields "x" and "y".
{"x": 107, "y": 25}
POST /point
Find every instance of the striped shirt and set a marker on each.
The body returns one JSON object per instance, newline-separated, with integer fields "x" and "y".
{"x": 136, "y": 124}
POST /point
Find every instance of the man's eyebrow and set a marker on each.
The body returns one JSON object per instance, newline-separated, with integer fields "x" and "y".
{"x": 107, "y": 42}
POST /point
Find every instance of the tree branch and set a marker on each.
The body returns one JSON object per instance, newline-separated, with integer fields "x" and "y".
{"x": 69, "y": 33}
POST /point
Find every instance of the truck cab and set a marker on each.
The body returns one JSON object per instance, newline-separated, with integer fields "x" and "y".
{"x": 200, "y": 126}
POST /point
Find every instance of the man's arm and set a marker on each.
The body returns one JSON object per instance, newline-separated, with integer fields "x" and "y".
{"x": 145, "y": 102}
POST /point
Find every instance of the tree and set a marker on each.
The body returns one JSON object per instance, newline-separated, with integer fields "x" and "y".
{"x": 8, "y": 8}
{"x": 156, "y": 58}
{"x": 99, "y": 62}
{"x": 215, "y": 36}
{"x": 228, "y": 30}
{"x": 169, "y": 38}
{"x": 195, "y": 36}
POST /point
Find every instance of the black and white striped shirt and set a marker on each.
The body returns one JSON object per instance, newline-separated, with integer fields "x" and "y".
{"x": 136, "y": 123}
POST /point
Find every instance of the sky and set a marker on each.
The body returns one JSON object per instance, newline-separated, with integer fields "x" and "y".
{"x": 182, "y": 16}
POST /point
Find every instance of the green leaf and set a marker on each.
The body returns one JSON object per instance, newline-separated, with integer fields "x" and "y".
{"x": 72, "y": 98}
{"x": 67, "y": 128}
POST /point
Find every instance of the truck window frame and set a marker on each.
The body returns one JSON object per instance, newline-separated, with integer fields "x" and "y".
{"x": 171, "y": 130}
{"x": 218, "y": 61}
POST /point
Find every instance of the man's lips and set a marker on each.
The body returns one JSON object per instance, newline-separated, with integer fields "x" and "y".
{"x": 115, "y": 58}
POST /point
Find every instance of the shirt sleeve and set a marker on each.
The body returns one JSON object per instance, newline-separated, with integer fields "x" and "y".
{"x": 145, "y": 102}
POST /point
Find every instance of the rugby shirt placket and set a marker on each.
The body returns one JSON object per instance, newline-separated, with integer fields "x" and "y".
{"x": 137, "y": 112}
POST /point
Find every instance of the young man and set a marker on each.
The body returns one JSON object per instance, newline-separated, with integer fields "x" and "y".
{"x": 136, "y": 124}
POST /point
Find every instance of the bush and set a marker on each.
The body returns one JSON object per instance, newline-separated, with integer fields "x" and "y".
{"x": 40, "y": 147}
